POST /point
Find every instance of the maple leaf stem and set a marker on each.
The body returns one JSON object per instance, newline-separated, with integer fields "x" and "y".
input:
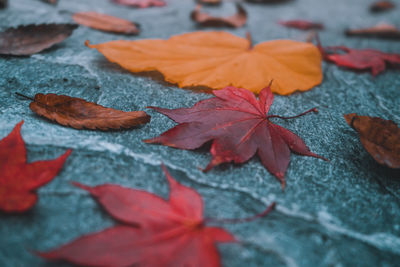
{"x": 241, "y": 220}
{"x": 248, "y": 37}
{"x": 293, "y": 117}
{"x": 24, "y": 96}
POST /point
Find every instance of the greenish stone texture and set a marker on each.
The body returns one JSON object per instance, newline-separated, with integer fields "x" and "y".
{"x": 345, "y": 212}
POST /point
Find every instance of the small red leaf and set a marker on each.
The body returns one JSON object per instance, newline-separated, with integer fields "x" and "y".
{"x": 239, "y": 126}
{"x": 301, "y": 24}
{"x": 154, "y": 231}
{"x": 360, "y": 59}
{"x": 19, "y": 179}
{"x": 140, "y": 3}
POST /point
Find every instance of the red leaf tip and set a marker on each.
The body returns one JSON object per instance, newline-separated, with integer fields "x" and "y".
{"x": 167, "y": 174}
{"x": 67, "y": 153}
{"x": 268, "y": 87}
{"x": 18, "y": 126}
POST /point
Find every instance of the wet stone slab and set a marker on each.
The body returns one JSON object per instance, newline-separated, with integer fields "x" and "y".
{"x": 345, "y": 212}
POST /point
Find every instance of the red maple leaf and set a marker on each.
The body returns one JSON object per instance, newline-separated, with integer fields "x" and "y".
{"x": 360, "y": 59}
{"x": 18, "y": 179}
{"x": 301, "y": 24}
{"x": 154, "y": 231}
{"x": 239, "y": 126}
{"x": 140, "y": 3}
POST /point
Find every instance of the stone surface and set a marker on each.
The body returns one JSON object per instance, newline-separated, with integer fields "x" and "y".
{"x": 345, "y": 212}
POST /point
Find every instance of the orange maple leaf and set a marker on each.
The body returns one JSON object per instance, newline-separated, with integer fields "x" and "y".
{"x": 220, "y": 59}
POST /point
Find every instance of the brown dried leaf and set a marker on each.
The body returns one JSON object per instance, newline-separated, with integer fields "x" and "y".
{"x": 105, "y": 22}
{"x": 235, "y": 21}
{"x": 381, "y": 138}
{"x": 78, "y": 113}
{"x": 210, "y": 2}
{"x": 140, "y": 3}
{"x": 31, "y": 39}
{"x": 51, "y": 2}
{"x": 381, "y": 6}
{"x": 300, "y": 24}
{"x": 268, "y": 1}
{"x": 381, "y": 30}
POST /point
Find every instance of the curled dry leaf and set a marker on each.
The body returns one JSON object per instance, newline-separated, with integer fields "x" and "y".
{"x": 78, "y": 113}
{"x": 140, "y": 3}
{"x": 382, "y": 30}
{"x": 381, "y": 6}
{"x": 31, "y": 39}
{"x": 301, "y": 24}
{"x": 239, "y": 127}
{"x": 105, "y": 22}
{"x": 19, "y": 179}
{"x": 219, "y": 59}
{"x": 235, "y": 21}
{"x": 268, "y": 1}
{"x": 51, "y": 2}
{"x": 152, "y": 231}
{"x": 381, "y": 138}
{"x": 210, "y": 2}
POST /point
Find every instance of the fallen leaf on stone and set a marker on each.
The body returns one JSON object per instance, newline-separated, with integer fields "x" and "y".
{"x": 78, "y": 113}
{"x": 381, "y": 6}
{"x": 383, "y": 30}
{"x": 19, "y": 179}
{"x": 210, "y": 2}
{"x": 361, "y": 59}
{"x": 239, "y": 127}
{"x": 234, "y": 21}
{"x": 140, "y": 3}
{"x": 268, "y": 1}
{"x": 31, "y": 39}
{"x": 3, "y": 3}
{"x": 219, "y": 59}
{"x": 301, "y": 24}
{"x": 105, "y": 22}
{"x": 152, "y": 231}
{"x": 381, "y": 138}
{"x": 52, "y": 2}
